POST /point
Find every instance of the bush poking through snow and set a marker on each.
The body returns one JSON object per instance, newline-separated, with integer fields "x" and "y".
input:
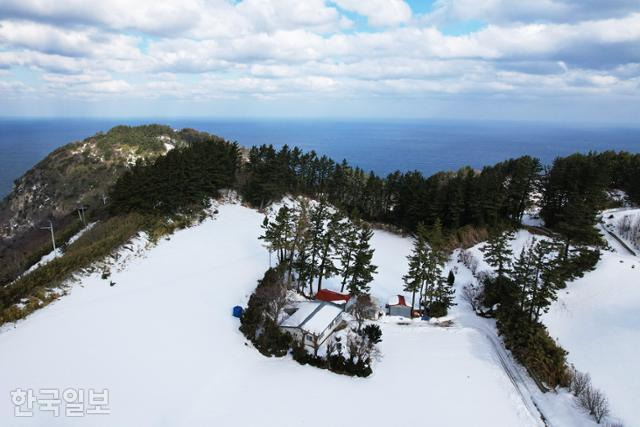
{"x": 590, "y": 399}
{"x": 472, "y": 295}
{"x": 595, "y": 403}
{"x": 579, "y": 382}
{"x": 469, "y": 260}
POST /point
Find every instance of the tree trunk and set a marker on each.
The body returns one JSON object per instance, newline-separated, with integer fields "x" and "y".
{"x": 413, "y": 302}
{"x": 345, "y": 277}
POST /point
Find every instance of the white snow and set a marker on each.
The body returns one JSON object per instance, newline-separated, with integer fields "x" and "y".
{"x": 58, "y": 252}
{"x": 164, "y": 343}
{"x": 322, "y": 319}
{"x": 613, "y": 221}
{"x": 322, "y": 314}
{"x": 597, "y": 319}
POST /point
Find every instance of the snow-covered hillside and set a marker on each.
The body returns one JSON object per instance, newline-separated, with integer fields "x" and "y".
{"x": 164, "y": 343}
{"x": 597, "y": 319}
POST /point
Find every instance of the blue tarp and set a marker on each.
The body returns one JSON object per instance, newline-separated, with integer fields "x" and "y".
{"x": 237, "y": 311}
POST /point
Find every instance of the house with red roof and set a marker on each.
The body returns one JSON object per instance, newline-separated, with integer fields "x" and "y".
{"x": 331, "y": 296}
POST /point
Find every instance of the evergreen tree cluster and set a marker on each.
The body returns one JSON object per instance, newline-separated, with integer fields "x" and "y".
{"x": 425, "y": 276}
{"x": 575, "y": 190}
{"x": 496, "y": 194}
{"x": 523, "y": 289}
{"x": 185, "y": 177}
{"x": 318, "y": 242}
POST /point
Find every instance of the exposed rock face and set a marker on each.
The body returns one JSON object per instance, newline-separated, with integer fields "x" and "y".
{"x": 79, "y": 173}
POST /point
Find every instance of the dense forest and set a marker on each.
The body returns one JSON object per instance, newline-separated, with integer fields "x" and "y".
{"x": 570, "y": 192}
{"x": 184, "y": 177}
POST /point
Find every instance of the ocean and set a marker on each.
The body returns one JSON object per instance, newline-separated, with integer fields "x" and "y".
{"x": 382, "y": 146}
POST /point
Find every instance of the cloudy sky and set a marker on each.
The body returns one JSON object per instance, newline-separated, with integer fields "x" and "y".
{"x": 573, "y": 60}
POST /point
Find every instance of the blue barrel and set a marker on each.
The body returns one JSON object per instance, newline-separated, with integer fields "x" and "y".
{"x": 237, "y": 311}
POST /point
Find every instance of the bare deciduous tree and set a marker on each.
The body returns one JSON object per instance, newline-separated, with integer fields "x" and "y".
{"x": 471, "y": 295}
{"x": 469, "y": 261}
{"x": 364, "y": 308}
{"x": 579, "y": 382}
{"x": 274, "y": 297}
{"x": 595, "y": 403}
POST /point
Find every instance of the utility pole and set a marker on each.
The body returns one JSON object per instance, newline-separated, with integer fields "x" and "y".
{"x": 53, "y": 237}
{"x": 81, "y": 210}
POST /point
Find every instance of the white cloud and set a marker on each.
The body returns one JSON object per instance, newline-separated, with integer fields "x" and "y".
{"x": 379, "y": 12}
{"x": 509, "y": 11}
{"x": 64, "y": 42}
{"x": 270, "y": 49}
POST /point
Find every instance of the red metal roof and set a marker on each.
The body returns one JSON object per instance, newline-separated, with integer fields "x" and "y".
{"x": 398, "y": 300}
{"x": 331, "y": 296}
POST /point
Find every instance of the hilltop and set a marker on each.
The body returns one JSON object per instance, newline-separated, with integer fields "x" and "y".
{"x": 80, "y": 173}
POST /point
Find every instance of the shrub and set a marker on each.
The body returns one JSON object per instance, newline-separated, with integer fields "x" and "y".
{"x": 373, "y": 333}
{"x": 436, "y": 309}
{"x": 532, "y": 346}
{"x": 595, "y": 403}
{"x": 258, "y": 323}
{"x": 468, "y": 260}
{"x": 92, "y": 246}
{"x": 579, "y": 382}
{"x": 580, "y": 261}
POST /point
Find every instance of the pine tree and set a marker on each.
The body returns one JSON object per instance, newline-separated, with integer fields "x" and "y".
{"x": 318, "y": 217}
{"x": 300, "y": 220}
{"x": 538, "y": 276}
{"x": 347, "y": 245}
{"x": 362, "y": 270}
{"x": 329, "y": 242}
{"x": 523, "y": 276}
{"x": 546, "y": 258}
{"x": 415, "y": 278}
{"x": 443, "y": 296}
{"x": 433, "y": 264}
{"x": 451, "y": 279}
{"x": 498, "y": 254}
{"x": 278, "y": 232}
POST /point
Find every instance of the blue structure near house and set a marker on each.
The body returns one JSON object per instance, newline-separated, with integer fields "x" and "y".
{"x": 237, "y": 311}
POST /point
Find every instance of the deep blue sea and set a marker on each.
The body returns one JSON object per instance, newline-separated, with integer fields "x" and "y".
{"x": 381, "y": 146}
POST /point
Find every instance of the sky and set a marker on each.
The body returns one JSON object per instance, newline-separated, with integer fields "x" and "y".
{"x": 558, "y": 60}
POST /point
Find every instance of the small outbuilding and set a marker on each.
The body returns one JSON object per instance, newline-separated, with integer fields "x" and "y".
{"x": 397, "y": 306}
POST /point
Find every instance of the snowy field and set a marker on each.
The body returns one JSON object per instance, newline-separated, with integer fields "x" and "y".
{"x": 164, "y": 343}
{"x": 597, "y": 319}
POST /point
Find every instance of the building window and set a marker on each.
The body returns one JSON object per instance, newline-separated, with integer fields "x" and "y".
{"x": 309, "y": 338}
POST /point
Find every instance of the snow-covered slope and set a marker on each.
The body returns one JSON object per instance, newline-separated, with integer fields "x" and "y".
{"x": 164, "y": 343}
{"x": 597, "y": 319}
